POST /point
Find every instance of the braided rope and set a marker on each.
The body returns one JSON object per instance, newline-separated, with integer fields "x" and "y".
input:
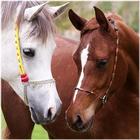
{"x": 23, "y": 75}
{"x": 81, "y": 89}
{"x": 104, "y": 98}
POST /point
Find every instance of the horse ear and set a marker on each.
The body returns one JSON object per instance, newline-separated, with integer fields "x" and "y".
{"x": 101, "y": 19}
{"x": 31, "y": 13}
{"x": 56, "y": 11}
{"x": 77, "y": 21}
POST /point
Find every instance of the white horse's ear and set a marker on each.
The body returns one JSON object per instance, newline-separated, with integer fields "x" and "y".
{"x": 31, "y": 13}
{"x": 56, "y": 11}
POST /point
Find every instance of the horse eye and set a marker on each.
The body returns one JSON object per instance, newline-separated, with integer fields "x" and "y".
{"x": 29, "y": 52}
{"x": 101, "y": 63}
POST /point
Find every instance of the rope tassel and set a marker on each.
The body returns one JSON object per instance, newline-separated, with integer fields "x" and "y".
{"x": 24, "y": 78}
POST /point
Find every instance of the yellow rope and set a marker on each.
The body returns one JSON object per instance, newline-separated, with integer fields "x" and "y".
{"x": 18, "y": 52}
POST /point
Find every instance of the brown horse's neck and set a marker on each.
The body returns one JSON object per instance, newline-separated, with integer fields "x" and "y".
{"x": 129, "y": 41}
{"x": 132, "y": 76}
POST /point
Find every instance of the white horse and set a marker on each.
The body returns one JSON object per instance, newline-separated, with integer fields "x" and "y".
{"x": 34, "y": 21}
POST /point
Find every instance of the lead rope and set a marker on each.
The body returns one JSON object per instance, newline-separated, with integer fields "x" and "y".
{"x": 23, "y": 76}
{"x": 105, "y": 97}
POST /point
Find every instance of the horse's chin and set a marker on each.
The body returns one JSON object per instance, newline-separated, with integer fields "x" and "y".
{"x": 87, "y": 126}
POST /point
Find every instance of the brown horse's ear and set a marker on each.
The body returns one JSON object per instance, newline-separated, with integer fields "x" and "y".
{"x": 77, "y": 21}
{"x": 101, "y": 19}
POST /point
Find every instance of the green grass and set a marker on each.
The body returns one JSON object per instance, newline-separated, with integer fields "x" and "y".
{"x": 38, "y": 132}
{"x": 3, "y": 123}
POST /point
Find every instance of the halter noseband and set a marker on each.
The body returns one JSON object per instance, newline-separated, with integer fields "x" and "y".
{"x": 104, "y": 99}
{"x": 81, "y": 89}
{"x": 23, "y": 76}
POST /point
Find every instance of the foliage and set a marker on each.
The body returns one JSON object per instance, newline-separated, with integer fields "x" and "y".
{"x": 128, "y": 10}
{"x": 39, "y": 133}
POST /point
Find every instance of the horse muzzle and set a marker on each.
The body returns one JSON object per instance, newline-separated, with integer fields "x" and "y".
{"x": 49, "y": 117}
{"x": 43, "y": 101}
{"x": 77, "y": 123}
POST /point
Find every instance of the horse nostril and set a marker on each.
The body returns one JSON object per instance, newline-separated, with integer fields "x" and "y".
{"x": 34, "y": 115}
{"x": 49, "y": 115}
{"x": 78, "y": 123}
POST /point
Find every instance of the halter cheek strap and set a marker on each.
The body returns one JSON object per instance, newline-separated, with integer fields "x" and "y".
{"x": 23, "y": 75}
{"x": 107, "y": 93}
{"x": 105, "y": 97}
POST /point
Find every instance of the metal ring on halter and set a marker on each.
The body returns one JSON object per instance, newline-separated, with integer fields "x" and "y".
{"x": 104, "y": 99}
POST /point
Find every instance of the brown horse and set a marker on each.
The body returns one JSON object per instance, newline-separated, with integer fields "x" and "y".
{"x": 64, "y": 70}
{"x": 106, "y": 99}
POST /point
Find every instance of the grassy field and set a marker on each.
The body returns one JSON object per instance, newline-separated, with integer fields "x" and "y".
{"x": 38, "y": 132}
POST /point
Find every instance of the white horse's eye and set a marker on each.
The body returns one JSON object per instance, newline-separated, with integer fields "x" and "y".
{"x": 29, "y": 52}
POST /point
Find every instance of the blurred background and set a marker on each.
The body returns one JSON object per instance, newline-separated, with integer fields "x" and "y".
{"x": 128, "y": 10}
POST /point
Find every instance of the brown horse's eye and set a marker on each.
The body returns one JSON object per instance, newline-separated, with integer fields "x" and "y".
{"x": 101, "y": 63}
{"x": 29, "y": 52}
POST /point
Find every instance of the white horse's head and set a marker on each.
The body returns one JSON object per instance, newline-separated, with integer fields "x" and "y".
{"x": 37, "y": 44}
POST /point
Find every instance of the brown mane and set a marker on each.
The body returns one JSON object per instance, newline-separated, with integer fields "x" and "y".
{"x": 93, "y": 24}
{"x": 42, "y": 25}
{"x": 124, "y": 31}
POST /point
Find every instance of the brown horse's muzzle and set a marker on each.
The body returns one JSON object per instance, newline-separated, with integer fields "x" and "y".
{"x": 79, "y": 120}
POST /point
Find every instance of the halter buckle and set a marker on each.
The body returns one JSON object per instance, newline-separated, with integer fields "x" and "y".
{"x": 104, "y": 99}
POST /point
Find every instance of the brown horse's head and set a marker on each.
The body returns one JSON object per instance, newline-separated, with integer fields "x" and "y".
{"x": 99, "y": 64}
